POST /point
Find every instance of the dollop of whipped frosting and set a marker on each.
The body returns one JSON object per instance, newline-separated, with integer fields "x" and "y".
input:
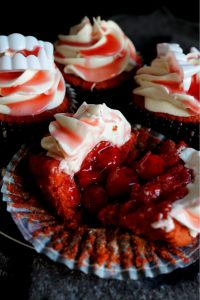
{"x": 30, "y": 83}
{"x": 171, "y": 83}
{"x": 186, "y": 210}
{"x": 73, "y": 137}
{"x": 96, "y": 52}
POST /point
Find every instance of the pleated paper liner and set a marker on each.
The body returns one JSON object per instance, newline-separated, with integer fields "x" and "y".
{"x": 12, "y": 135}
{"x": 108, "y": 253}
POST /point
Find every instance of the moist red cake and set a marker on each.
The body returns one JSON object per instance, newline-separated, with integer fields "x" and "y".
{"x": 127, "y": 187}
{"x": 59, "y": 188}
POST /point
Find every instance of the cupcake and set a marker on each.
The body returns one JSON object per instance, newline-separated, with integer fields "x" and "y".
{"x": 32, "y": 88}
{"x": 167, "y": 95}
{"x": 98, "y": 60}
{"x": 95, "y": 171}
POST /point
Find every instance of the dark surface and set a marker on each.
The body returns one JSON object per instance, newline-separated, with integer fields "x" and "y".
{"x": 24, "y": 274}
{"x": 46, "y": 17}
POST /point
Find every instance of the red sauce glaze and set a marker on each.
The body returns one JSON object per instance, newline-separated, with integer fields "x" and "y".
{"x": 56, "y": 54}
{"x": 173, "y": 86}
{"x": 176, "y": 87}
{"x": 100, "y": 244}
{"x": 110, "y": 47}
{"x": 194, "y": 89}
{"x": 65, "y": 135}
{"x": 36, "y": 105}
{"x": 39, "y": 77}
{"x": 26, "y": 52}
{"x": 132, "y": 192}
{"x": 5, "y": 76}
{"x": 107, "y": 71}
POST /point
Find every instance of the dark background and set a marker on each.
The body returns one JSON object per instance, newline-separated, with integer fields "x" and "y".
{"x": 45, "y": 19}
{"x": 24, "y": 273}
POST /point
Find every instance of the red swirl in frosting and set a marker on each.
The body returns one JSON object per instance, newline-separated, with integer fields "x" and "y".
{"x": 171, "y": 83}
{"x": 30, "y": 83}
{"x": 73, "y": 137}
{"x": 30, "y": 92}
{"x": 101, "y": 47}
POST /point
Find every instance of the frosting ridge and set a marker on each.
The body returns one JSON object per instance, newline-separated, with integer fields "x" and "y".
{"x": 30, "y": 83}
{"x": 101, "y": 47}
{"x": 73, "y": 137}
{"x": 171, "y": 83}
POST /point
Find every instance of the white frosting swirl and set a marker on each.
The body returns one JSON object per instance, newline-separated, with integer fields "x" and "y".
{"x": 73, "y": 137}
{"x": 30, "y": 83}
{"x": 96, "y": 52}
{"x": 186, "y": 210}
{"x": 171, "y": 84}
{"x": 30, "y": 92}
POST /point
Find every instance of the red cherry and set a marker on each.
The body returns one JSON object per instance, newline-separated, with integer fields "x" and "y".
{"x": 150, "y": 166}
{"x": 86, "y": 178}
{"x": 175, "y": 178}
{"x": 108, "y": 157}
{"x": 146, "y": 194}
{"x": 171, "y": 159}
{"x": 128, "y": 147}
{"x": 94, "y": 199}
{"x": 170, "y": 152}
{"x": 90, "y": 161}
{"x": 120, "y": 180}
{"x": 132, "y": 156}
{"x": 167, "y": 146}
{"x": 177, "y": 194}
{"x": 143, "y": 138}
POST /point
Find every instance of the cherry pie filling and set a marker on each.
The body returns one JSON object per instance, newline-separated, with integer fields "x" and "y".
{"x": 130, "y": 187}
{"x": 133, "y": 186}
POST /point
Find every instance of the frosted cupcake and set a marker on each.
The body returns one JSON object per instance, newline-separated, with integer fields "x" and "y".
{"x": 90, "y": 172}
{"x": 97, "y": 60}
{"x": 167, "y": 97}
{"x": 94, "y": 194}
{"x": 32, "y": 88}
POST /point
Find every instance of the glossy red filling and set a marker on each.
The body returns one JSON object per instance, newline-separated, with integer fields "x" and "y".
{"x": 128, "y": 187}
{"x": 132, "y": 179}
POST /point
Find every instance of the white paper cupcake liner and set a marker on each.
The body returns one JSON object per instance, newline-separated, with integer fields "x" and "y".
{"x": 72, "y": 97}
{"x": 108, "y": 253}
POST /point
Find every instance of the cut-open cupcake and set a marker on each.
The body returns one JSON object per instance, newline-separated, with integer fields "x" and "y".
{"x": 97, "y": 171}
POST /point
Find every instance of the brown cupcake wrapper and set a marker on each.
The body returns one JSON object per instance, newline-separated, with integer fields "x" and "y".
{"x": 172, "y": 129}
